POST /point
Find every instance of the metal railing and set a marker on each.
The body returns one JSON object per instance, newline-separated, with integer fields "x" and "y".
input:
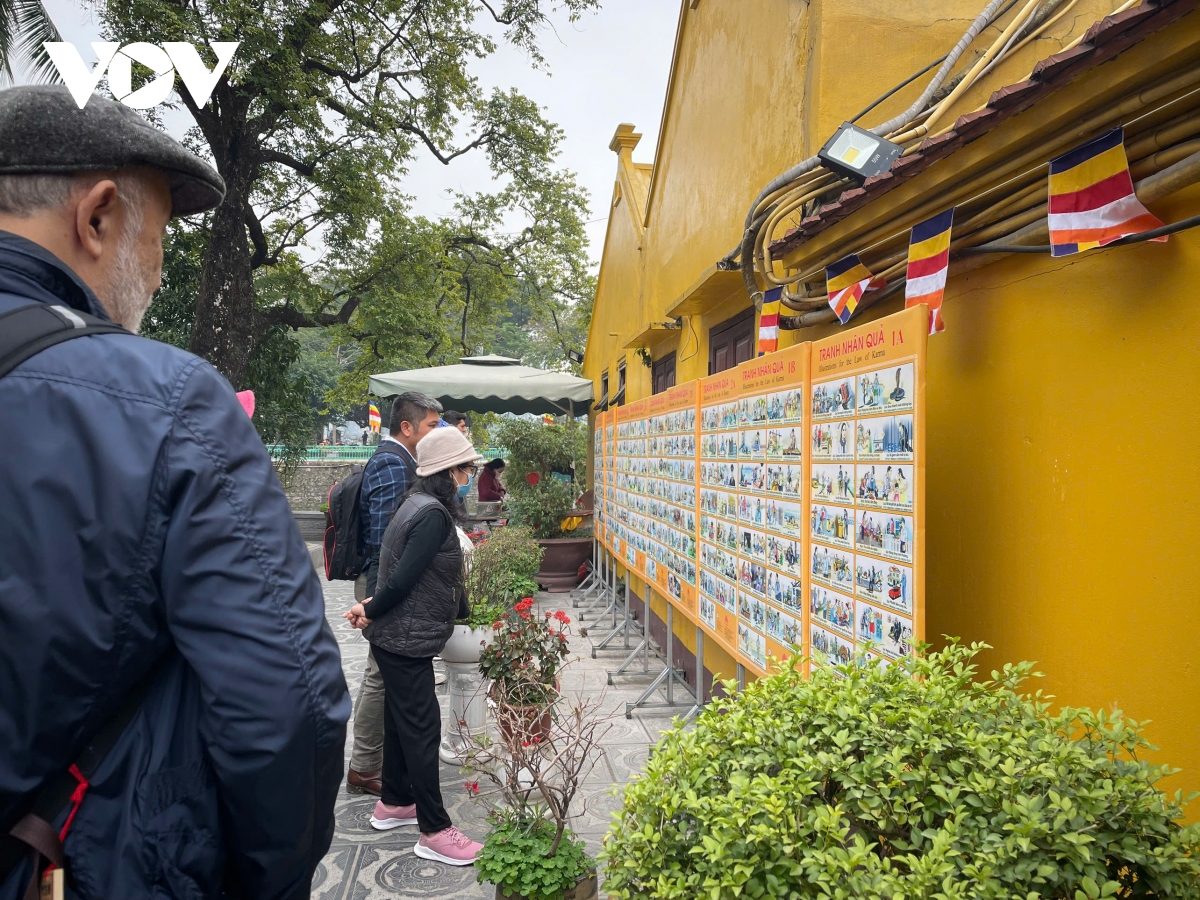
{"x": 354, "y": 452}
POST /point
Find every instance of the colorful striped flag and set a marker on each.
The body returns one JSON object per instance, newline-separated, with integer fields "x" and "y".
{"x": 846, "y": 280}
{"x": 373, "y": 418}
{"x": 768, "y": 322}
{"x": 928, "y": 263}
{"x": 1092, "y": 202}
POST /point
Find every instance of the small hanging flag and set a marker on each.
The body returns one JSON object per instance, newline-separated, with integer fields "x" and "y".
{"x": 928, "y": 263}
{"x": 1092, "y": 202}
{"x": 373, "y": 418}
{"x": 846, "y": 281}
{"x": 547, "y": 419}
{"x": 768, "y": 322}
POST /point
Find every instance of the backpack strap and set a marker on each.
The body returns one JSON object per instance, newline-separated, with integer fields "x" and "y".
{"x": 30, "y": 329}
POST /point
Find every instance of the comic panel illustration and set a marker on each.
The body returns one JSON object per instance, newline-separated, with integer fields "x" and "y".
{"x": 831, "y": 610}
{"x": 708, "y": 612}
{"x": 718, "y": 531}
{"x": 786, "y": 406}
{"x": 783, "y": 554}
{"x": 832, "y": 440}
{"x": 833, "y": 483}
{"x": 783, "y": 628}
{"x": 752, "y": 611}
{"x": 830, "y": 648}
{"x": 885, "y": 438}
{"x": 888, "y": 390}
{"x": 884, "y": 583}
{"x": 752, "y": 544}
{"x": 783, "y": 517}
{"x": 752, "y": 576}
{"x": 785, "y": 443}
{"x": 832, "y": 568}
{"x": 885, "y": 486}
{"x": 832, "y": 525}
{"x": 888, "y": 632}
{"x": 752, "y": 645}
{"x": 752, "y": 410}
{"x": 752, "y": 444}
{"x": 885, "y": 534}
{"x": 833, "y": 399}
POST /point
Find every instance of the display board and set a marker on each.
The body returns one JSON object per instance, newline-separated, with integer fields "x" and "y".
{"x": 781, "y": 503}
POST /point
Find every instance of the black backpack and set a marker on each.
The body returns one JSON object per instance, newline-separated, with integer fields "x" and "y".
{"x": 345, "y": 555}
{"x": 343, "y": 545}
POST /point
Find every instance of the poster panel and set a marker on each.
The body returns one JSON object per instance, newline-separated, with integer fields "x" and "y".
{"x": 866, "y": 509}
{"x": 782, "y": 502}
{"x": 771, "y": 486}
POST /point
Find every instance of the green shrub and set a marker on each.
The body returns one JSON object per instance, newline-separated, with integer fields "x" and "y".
{"x": 501, "y": 573}
{"x": 913, "y": 781}
{"x": 541, "y": 508}
{"x": 516, "y": 857}
{"x": 534, "y": 447}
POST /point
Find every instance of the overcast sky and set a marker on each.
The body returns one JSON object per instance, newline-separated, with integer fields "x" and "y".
{"x": 608, "y": 68}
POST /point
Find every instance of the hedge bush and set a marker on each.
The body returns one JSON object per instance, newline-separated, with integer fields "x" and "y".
{"x": 910, "y": 781}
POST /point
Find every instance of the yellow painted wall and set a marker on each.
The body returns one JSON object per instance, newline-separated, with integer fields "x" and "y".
{"x": 1062, "y": 425}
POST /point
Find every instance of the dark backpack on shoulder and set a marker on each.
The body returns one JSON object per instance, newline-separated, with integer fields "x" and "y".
{"x": 343, "y": 544}
{"x": 345, "y": 555}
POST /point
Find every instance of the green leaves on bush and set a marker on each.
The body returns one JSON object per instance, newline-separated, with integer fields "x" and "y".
{"x": 516, "y": 857}
{"x": 534, "y": 448}
{"x": 501, "y": 573}
{"x": 912, "y": 781}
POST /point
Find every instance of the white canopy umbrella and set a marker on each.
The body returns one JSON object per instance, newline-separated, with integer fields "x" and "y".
{"x": 492, "y": 384}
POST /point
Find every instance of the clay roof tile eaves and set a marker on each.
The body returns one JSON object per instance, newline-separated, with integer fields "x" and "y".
{"x": 1104, "y": 40}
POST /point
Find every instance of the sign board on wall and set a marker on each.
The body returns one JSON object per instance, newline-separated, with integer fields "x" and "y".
{"x": 781, "y": 503}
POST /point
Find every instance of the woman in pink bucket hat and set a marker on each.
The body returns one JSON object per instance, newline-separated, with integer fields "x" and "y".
{"x": 417, "y": 599}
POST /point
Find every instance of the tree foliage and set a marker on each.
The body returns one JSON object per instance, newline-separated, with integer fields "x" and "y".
{"x": 913, "y": 780}
{"x": 322, "y": 112}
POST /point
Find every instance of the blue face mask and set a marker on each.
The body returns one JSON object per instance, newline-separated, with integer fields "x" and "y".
{"x": 464, "y": 489}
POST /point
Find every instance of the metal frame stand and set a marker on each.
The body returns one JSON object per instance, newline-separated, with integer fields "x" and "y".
{"x": 605, "y": 585}
{"x": 667, "y": 677}
{"x": 592, "y": 582}
{"x": 741, "y": 677}
{"x": 695, "y": 710}
{"x": 621, "y": 629}
{"x": 642, "y": 649}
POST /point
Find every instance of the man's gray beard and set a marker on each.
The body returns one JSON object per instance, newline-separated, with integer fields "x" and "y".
{"x": 130, "y": 290}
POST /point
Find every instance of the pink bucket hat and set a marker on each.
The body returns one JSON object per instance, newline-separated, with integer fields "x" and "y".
{"x": 442, "y": 449}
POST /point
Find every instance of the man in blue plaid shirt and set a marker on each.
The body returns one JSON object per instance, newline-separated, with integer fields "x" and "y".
{"x": 385, "y": 482}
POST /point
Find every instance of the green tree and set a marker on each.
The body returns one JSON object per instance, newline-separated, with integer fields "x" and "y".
{"x": 24, "y": 26}
{"x": 324, "y": 108}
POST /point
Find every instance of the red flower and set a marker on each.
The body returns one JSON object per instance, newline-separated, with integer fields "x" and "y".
{"x": 523, "y": 614}
{"x": 471, "y": 787}
{"x": 525, "y": 604}
{"x": 561, "y": 616}
{"x": 526, "y": 743}
{"x": 497, "y": 625}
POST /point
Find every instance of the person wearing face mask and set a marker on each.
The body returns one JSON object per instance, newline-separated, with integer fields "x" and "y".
{"x": 417, "y": 599}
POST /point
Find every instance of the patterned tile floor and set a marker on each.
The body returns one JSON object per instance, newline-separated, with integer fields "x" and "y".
{"x": 363, "y": 864}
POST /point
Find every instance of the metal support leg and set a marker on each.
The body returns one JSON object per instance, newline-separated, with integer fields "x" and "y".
{"x": 741, "y": 677}
{"x": 642, "y": 649}
{"x": 618, "y": 630}
{"x": 592, "y": 582}
{"x": 603, "y": 598}
{"x": 669, "y": 676}
{"x": 695, "y": 710}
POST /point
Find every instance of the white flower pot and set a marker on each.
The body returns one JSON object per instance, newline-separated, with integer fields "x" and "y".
{"x": 466, "y": 644}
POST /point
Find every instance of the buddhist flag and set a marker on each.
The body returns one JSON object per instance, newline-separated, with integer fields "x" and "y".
{"x": 846, "y": 280}
{"x": 1092, "y": 202}
{"x": 928, "y": 263}
{"x": 768, "y": 322}
{"x": 373, "y": 418}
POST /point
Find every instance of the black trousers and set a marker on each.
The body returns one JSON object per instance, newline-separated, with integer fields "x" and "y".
{"x": 412, "y": 730}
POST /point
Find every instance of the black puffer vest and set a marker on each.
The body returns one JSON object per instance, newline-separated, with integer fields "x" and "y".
{"x": 422, "y": 622}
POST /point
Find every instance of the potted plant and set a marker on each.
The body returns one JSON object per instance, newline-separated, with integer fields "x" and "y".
{"x": 500, "y": 572}
{"x": 915, "y": 780}
{"x": 530, "y": 853}
{"x": 541, "y": 495}
{"x": 521, "y": 664}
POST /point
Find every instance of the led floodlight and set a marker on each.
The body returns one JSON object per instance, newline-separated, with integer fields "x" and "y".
{"x": 857, "y": 153}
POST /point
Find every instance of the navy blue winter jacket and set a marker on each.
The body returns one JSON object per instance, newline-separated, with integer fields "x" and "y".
{"x": 141, "y": 523}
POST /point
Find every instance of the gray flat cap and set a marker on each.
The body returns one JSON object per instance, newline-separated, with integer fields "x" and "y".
{"x": 42, "y": 131}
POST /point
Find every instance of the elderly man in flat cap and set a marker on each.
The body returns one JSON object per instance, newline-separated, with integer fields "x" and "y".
{"x": 172, "y": 704}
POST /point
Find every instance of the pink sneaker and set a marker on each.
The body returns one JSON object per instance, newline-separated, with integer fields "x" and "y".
{"x": 386, "y": 817}
{"x": 450, "y": 846}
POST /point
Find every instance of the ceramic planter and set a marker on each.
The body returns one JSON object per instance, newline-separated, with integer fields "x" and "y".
{"x": 561, "y": 559}
{"x": 466, "y": 644}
